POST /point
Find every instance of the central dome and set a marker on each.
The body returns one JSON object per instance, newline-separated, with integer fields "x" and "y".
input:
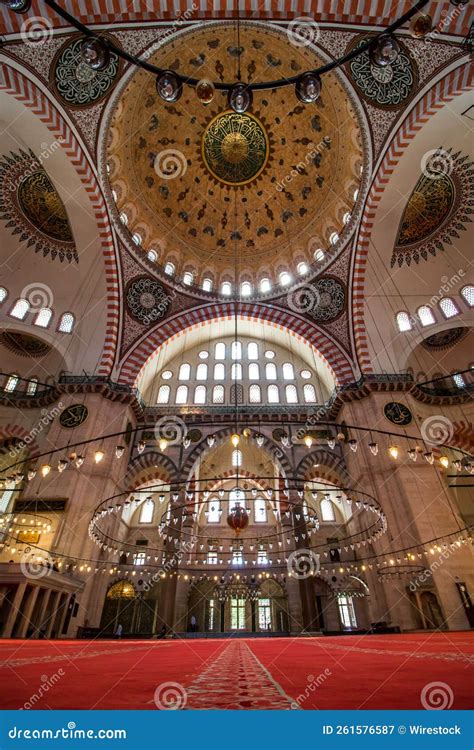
{"x": 235, "y": 148}
{"x": 202, "y": 185}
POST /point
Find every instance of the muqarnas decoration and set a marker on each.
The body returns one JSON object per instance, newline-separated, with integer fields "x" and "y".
{"x": 32, "y": 207}
{"x": 440, "y": 206}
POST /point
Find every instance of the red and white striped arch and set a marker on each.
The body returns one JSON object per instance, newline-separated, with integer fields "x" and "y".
{"x": 371, "y": 12}
{"x": 16, "y": 84}
{"x": 324, "y": 346}
{"x": 453, "y": 84}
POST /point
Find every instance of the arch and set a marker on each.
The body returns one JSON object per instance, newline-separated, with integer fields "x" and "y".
{"x": 445, "y": 90}
{"x": 331, "y": 468}
{"x": 220, "y": 435}
{"x": 148, "y": 467}
{"x": 18, "y": 85}
{"x": 25, "y": 437}
{"x": 321, "y": 342}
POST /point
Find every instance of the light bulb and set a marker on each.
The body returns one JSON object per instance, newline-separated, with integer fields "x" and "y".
{"x": 240, "y": 98}
{"x": 353, "y": 444}
{"x": 412, "y": 454}
{"x": 141, "y": 446}
{"x": 332, "y": 443}
{"x": 308, "y": 441}
{"x": 374, "y": 448}
{"x": 384, "y": 50}
{"x": 308, "y": 88}
{"x": 45, "y": 469}
{"x": 260, "y": 439}
{"x": 205, "y": 91}
{"x": 119, "y": 451}
{"x": 98, "y": 456}
{"x": 393, "y": 451}
{"x": 235, "y": 439}
{"x": 429, "y": 456}
{"x": 31, "y": 474}
{"x": 163, "y": 444}
{"x": 457, "y": 464}
{"x": 95, "y": 53}
{"x": 79, "y": 461}
{"x": 444, "y": 461}
{"x": 186, "y": 442}
{"x": 211, "y": 440}
{"x": 62, "y": 464}
{"x": 169, "y": 86}
{"x": 421, "y": 25}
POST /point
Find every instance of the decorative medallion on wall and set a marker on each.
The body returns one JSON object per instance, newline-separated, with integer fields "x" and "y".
{"x": 235, "y": 148}
{"x": 398, "y": 413}
{"x": 387, "y": 87}
{"x": 329, "y": 299}
{"x": 73, "y": 416}
{"x": 439, "y": 207}
{"x": 24, "y": 344}
{"x": 147, "y": 300}
{"x": 445, "y": 339}
{"x": 75, "y": 81}
{"x": 32, "y": 208}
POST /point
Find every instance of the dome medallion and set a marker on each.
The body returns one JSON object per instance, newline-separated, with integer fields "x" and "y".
{"x": 235, "y": 148}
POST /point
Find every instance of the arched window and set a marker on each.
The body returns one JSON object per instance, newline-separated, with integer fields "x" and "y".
{"x": 309, "y": 393}
{"x": 425, "y": 315}
{"x": 207, "y": 284}
{"x": 32, "y": 387}
{"x": 137, "y": 238}
{"x": 273, "y": 395}
{"x": 219, "y": 351}
{"x": 12, "y": 383}
{"x": 123, "y": 218}
{"x": 236, "y": 350}
{"x": 152, "y": 256}
{"x": 236, "y": 459}
{"x": 346, "y": 218}
{"x": 291, "y": 394}
{"x": 270, "y": 371}
{"x": 254, "y": 371}
{"x": 66, "y": 323}
{"x": 302, "y": 268}
{"x": 285, "y": 278}
{"x": 226, "y": 288}
{"x": 201, "y": 372}
{"x": 43, "y": 317}
{"x": 236, "y": 497}
{"x": 20, "y": 309}
{"x": 403, "y": 322}
{"x": 459, "y": 380}
{"x": 236, "y": 371}
{"x": 333, "y": 238}
{"x": 260, "y": 510}
{"x": 448, "y": 307}
{"x": 288, "y": 371}
{"x": 246, "y": 289}
{"x": 219, "y": 371}
{"x": 252, "y": 350}
{"x": 146, "y": 512}
{"x": 265, "y": 285}
{"x": 255, "y": 394}
{"x": 319, "y": 255}
{"x": 181, "y": 394}
{"x": 218, "y": 394}
{"x": 169, "y": 268}
{"x": 213, "y": 515}
{"x": 3, "y": 294}
{"x": 468, "y": 294}
{"x": 184, "y": 371}
{"x": 327, "y": 510}
{"x": 188, "y": 278}
{"x": 166, "y": 374}
{"x": 200, "y": 394}
{"x": 237, "y": 394}
{"x": 163, "y": 394}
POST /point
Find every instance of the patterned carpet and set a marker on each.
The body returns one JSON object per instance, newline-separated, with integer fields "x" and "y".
{"x": 419, "y": 670}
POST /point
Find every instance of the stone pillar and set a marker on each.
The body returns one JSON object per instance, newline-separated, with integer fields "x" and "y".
{"x": 42, "y": 611}
{"x": 53, "y": 613}
{"x": 28, "y": 611}
{"x": 15, "y": 608}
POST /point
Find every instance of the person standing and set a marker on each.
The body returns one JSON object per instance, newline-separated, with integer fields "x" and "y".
{"x": 119, "y": 631}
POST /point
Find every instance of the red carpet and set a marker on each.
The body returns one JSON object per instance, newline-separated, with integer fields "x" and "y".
{"x": 351, "y": 672}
